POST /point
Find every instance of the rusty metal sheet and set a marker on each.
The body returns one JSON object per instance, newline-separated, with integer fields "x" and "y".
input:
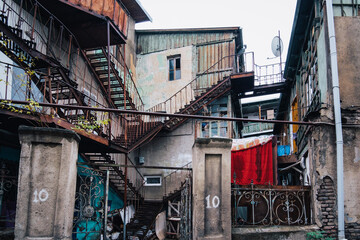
{"x": 125, "y": 25}
{"x": 108, "y": 8}
{"x": 74, "y": 2}
{"x": 85, "y": 3}
{"x": 97, "y": 6}
{"x": 117, "y": 14}
{"x": 121, "y": 21}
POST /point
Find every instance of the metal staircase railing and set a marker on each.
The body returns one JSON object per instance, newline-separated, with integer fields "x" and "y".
{"x": 122, "y": 85}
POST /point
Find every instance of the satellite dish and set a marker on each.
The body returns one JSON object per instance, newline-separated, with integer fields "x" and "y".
{"x": 277, "y": 46}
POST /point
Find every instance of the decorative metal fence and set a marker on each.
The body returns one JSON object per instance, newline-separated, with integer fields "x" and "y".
{"x": 270, "y": 205}
{"x": 90, "y": 215}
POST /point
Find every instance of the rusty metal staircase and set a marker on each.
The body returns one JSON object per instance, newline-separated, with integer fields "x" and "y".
{"x": 44, "y": 70}
{"x": 123, "y": 94}
{"x": 209, "y": 95}
{"x": 53, "y": 81}
{"x": 117, "y": 176}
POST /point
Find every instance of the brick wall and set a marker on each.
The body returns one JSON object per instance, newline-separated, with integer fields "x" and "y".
{"x": 352, "y": 231}
{"x": 327, "y": 198}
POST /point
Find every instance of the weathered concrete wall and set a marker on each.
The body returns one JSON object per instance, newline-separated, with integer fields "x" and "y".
{"x": 152, "y": 74}
{"x": 347, "y": 42}
{"x": 167, "y": 149}
{"x": 322, "y": 152}
{"x": 212, "y": 188}
{"x": 47, "y": 182}
{"x": 351, "y": 172}
{"x": 274, "y": 232}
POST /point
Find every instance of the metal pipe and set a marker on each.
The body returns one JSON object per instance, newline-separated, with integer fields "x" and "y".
{"x": 132, "y": 166}
{"x": 7, "y": 80}
{"x": 119, "y": 111}
{"x": 125, "y": 197}
{"x": 106, "y": 202}
{"x": 109, "y": 78}
{"x": 338, "y": 123}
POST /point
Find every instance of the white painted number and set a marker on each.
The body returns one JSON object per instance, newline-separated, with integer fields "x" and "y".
{"x": 215, "y": 202}
{"x": 43, "y": 195}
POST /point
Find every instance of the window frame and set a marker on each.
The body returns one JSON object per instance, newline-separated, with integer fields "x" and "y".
{"x": 152, "y": 184}
{"x": 175, "y": 69}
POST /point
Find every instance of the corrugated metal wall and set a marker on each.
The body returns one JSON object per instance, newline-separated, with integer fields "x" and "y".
{"x": 155, "y": 42}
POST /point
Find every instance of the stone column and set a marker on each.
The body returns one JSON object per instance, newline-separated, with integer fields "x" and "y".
{"x": 212, "y": 188}
{"x": 47, "y": 183}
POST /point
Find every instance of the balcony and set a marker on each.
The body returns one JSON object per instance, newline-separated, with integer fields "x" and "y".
{"x": 88, "y": 20}
{"x": 268, "y": 205}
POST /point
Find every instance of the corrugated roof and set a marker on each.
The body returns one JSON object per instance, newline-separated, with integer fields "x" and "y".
{"x": 155, "y": 40}
{"x": 184, "y": 30}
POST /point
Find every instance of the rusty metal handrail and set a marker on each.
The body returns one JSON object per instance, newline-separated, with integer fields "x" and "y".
{"x": 132, "y": 80}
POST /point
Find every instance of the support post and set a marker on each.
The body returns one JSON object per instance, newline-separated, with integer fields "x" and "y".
{"x": 212, "y": 189}
{"x": 47, "y": 183}
{"x": 125, "y": 196}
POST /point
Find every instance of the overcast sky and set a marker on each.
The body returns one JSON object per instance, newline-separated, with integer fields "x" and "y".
{"x": 260, "y": 19}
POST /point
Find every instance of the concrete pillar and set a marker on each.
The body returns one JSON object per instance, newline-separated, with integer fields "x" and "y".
{"x": 212, "y": 188}
{"x": 47, "y": 183}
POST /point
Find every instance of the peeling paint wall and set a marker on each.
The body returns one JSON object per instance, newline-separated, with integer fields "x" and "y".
{"x": 153, "y": 74}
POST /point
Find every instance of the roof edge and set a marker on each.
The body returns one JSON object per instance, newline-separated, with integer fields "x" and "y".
{"x": 170, "y": 30}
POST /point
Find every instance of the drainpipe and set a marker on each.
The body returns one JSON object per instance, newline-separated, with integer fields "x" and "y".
{"x": 338, "y": 124}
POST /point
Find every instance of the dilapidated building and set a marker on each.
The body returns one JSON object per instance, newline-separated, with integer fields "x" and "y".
{"x": 117, "y": 119}
{"x": 310, "y": 72}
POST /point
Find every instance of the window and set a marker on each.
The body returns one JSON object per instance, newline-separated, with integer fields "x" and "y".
{"x": 174, "y": 68}
{"x": 152, "y": 180}
{"x": 214, "y": 129}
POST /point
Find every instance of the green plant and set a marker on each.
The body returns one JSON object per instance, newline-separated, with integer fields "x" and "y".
{"x": 91, "y": 124}
{"x": 317, "y": 235}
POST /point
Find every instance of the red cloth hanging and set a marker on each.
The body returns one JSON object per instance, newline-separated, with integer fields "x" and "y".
{"x": 255, "y": 163}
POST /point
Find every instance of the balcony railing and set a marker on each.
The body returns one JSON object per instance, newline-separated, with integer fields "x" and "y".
{"x": 270, "y": 205}
{"x": 252, "y": 128}
{"x": 269, "y": 74}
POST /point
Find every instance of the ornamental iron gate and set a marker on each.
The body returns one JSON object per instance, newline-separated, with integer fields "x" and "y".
{"x": 90, "y": 203}
{"x": 8, "y": 195}
{"x": 186, "y": 211}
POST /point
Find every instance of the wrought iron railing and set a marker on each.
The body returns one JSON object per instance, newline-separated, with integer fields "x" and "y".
{"x": 270, "y": 205}
{"x": 119, "y": 61}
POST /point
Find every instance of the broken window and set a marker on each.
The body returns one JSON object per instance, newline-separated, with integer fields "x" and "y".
{"x": 174, "y": 68}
